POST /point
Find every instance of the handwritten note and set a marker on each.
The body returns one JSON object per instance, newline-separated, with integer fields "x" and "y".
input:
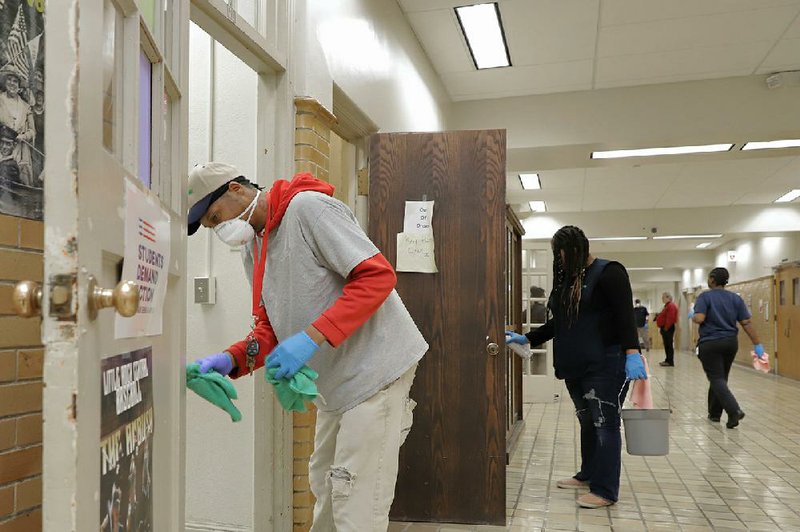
{"x": 415, "y": 253}
{"x": 418, "y": 218}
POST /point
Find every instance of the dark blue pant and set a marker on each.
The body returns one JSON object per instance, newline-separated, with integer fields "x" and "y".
{"x": 668, "y": 336}
{"x": 597, "y": 401}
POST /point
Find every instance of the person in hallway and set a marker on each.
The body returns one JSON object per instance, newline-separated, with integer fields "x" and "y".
{"x": 596, "y": 351}
{"x": 323, "y": 295}
{"x": 640, "y": 314}
{"x": 667, "y": 320}
{"x": 717, "y": 311}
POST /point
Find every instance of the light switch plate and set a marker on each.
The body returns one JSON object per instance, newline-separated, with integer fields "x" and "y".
{"x": 205, "y": 290}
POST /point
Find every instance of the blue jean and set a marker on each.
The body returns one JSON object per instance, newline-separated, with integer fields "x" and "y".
{"x": 597, "y": 397}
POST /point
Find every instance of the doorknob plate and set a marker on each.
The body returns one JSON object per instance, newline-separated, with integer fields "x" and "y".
{"x": 493, "y": 349}
{"x": 61, "y": 289}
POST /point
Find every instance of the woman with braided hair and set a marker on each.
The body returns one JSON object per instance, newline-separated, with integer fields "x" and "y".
{"x": 596, "y": 352}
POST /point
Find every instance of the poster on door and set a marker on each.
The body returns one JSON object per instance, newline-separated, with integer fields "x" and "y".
{"x": 126, "y": 442}
{"x": 22, "y": 108}
{"x": 146, "y": 262}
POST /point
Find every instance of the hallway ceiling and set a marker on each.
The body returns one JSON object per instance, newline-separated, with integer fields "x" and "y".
{"x": 575, "y": 45}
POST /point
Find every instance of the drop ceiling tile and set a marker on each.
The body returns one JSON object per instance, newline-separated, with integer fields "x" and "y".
{"x": 410, "y": 6}
{"x": 785, "y": 56}
{"x": 533, "y": 37}
{"x": 501, "y": 82}
{"x": 794, "y": 30}
{"x": 440, "y": 36}
{"x": 701, "y": 31}
{"x": 682, "y": 64}
{"x": 615, "y": 12}
{"x": 571, "y": 179}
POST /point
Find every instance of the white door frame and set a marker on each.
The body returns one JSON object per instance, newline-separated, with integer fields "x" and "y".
{"x": 265, "y": 50}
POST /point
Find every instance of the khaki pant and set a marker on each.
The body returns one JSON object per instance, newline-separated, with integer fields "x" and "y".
{"x": 644, "y": 337}
{"x": 353, "y": 469}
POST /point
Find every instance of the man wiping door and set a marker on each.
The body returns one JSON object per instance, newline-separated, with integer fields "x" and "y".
{"x": 323, "y": 295}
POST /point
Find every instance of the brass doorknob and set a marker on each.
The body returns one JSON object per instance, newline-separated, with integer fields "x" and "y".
{"x": 27, "y": 299}
{"x": 493, "y": 349}
{"x": 124, "y": 298}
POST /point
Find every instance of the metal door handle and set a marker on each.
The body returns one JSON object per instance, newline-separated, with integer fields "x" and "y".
{"x": 124, "y": 298}
{"x": 27, "y": 299}
{"x": 493, "y": 349}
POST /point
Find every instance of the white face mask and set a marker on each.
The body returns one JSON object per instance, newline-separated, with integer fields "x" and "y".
{"x": 238, "y": 232}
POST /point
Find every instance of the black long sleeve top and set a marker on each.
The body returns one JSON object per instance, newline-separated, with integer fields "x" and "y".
{"x": 614, "y": 298}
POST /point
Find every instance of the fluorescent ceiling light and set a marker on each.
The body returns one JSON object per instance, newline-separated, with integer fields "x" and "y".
{"x": 789, "y": 196}
{"x": 704, "y": 245}
{"x": 613, "y": 238}
{"x": 649, "y": 152}
{"x": 537, "y": 206}
{"x": 659, "y": 268}
{"x": 530, "y": 181}
{"x": 772, "y": 144}
{"x": 685, "y": 237}
{"x": 483, "y": 29}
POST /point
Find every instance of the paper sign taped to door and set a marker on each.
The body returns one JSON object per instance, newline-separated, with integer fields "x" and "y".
{"x": 415, "y": 253}
{"x": 147, "y": 247}
{"x": 418, "y": 217}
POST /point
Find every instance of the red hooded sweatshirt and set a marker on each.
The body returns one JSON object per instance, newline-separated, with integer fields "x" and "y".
{"x": 367, "y": 287}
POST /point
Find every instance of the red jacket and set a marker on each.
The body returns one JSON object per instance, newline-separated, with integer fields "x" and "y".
{"x": 668, "y": 316}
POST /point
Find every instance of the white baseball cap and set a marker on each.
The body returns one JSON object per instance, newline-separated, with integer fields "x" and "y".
{"x": 207, "y": 182}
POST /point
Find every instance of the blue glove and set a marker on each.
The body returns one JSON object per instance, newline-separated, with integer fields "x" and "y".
{"x": 219, "y": 362}
{"x": 634, "y": 367}
{"x": 691, "y": 314}
{"x": 758, "y": 349}
{"x": 291, "y": 355}
{"x": 515, "y": 338}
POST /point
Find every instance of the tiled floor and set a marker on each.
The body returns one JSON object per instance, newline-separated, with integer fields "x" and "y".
{"x": 714, "y": 478}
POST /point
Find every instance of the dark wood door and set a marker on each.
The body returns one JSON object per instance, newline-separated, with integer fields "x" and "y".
{"x": 452, "y": 466}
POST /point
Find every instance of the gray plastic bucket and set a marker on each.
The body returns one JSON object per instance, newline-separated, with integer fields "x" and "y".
{"x": 646, "y": 431}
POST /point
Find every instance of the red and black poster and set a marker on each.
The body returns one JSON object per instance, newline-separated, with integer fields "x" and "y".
{"x": 126, "y": 442}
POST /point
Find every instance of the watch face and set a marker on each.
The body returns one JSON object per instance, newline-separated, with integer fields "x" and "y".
{"x": 252, "y": 348}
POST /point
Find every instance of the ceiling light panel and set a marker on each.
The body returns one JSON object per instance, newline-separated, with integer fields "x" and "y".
{"x": 537, "y": 206}
{"x": 685, "y": 237}
{"x": 530, "y": 181}
{"x": 789, "y": 196}
{"x": 772, "y": 144}
{"x": 651, "y": 152}
{"x": 483, "y": 30}
{"x": 616, "y": 238}
{"x": 704, "y": 245}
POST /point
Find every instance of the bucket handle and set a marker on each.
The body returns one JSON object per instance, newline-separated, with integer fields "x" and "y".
{"x": 619, "y": 396}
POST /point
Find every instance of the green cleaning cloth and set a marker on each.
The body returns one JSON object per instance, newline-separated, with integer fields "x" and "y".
{"x": 295, "y": 392}
{"x": 214, "y": 388}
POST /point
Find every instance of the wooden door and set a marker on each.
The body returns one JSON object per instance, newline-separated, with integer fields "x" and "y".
{"x": 788, "y": 301}
{"x": 513, "y": 321}
{"x": 452, "y": 467}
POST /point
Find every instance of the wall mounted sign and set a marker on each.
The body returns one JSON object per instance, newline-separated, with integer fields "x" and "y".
{"x": 415, "y": 245}
{"x": 146, "y": 261}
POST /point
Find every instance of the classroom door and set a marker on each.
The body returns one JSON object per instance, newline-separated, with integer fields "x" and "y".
{"x": 452, "y": 466}
{"x": 114, "y": 247}
{"x": 788, "y": 300}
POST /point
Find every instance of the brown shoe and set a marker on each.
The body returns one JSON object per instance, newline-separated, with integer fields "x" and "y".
{"x": 590, "y": 500}
{"x": 572, "y": 483}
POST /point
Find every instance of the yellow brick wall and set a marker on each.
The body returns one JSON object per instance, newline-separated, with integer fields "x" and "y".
{"x": 21, "y": 358}
{"x": 312, "y": 154}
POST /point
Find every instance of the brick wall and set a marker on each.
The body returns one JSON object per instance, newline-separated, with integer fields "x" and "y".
{"x": 312, "y": 154}
{"x": 21, "y": 357}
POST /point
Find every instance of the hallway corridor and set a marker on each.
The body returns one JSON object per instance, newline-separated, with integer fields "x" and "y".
{"x": 714, "y": 478}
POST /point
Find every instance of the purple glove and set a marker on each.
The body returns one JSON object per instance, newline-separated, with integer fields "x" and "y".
{"x": 291, "y": 355}
{"x": 219, "y": 362}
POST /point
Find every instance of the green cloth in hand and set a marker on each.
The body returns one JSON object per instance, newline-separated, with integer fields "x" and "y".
{"x": 295, "y": 392}
{"x": 214, "y": 387}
